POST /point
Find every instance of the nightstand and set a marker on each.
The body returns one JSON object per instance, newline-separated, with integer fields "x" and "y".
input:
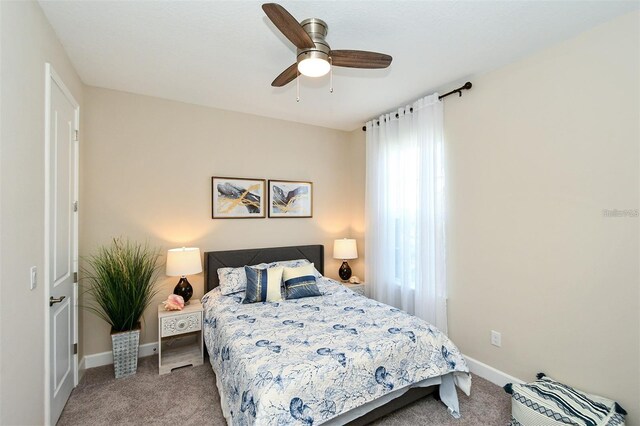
{"x": 180, "y": 337}
{"x": 357, "y": 288}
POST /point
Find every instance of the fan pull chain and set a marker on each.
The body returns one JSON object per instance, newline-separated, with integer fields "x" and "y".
{"x": 297, "y": 86}
{"x": 330, "y": 75}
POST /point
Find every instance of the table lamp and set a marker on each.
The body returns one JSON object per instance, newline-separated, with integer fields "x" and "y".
{"x": 180, "y": 263}
{"x": 345, "y": 249}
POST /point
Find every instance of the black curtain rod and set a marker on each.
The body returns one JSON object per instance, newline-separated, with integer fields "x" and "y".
{"x": 459, "y": 90}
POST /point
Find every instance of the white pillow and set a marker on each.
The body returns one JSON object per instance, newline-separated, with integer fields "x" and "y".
{"x": 234, "y": 280}
{"x": 547, "y": 402}
{"x": 294, "y": 264}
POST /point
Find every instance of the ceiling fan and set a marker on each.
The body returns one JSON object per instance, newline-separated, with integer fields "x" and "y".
{"x": 315, "y": 57}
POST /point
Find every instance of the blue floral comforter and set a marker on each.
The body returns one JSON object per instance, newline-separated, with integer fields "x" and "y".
{"x": 305, "y": 361}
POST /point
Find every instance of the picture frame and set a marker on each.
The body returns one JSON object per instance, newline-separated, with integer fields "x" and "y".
{"x": 289, "y": 199}
{"x": 237, "y": 198}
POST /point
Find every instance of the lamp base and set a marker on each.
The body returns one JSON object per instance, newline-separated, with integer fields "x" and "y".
{"x": 344, "y": 271}
{"x": 184, "y": 289}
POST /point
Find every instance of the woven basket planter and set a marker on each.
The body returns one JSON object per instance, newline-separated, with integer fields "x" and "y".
{"x": 125, "y": 352}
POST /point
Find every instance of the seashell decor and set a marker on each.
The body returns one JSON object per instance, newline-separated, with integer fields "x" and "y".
{"x": 174, "y": 303}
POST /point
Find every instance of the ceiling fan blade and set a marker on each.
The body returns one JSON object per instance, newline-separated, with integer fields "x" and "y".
{"x": 288, "y": 25}
{"x": 359, "y": 59}
{"x": 286, "y": 76}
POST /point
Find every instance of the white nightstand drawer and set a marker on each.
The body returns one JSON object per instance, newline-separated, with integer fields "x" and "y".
{"x": 180, "y": 341}
{"x": 180, "y": 324}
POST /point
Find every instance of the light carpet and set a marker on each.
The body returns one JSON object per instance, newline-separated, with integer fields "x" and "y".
{"x": 188, "y": 396}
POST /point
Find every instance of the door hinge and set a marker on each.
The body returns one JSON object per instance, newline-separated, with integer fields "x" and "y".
{"x": 75, "y": 277}
{"x": 75, "y": 206}
{"x": 75, "y": 136}
{"x": 75, "y": 348}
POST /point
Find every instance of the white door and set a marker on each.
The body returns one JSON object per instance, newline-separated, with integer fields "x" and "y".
{"x": 61, "y": 242}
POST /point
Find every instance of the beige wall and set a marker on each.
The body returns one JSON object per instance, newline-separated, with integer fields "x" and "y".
{"x": 27, "y": 43}
{"x": 536, "y": 151}
{"x": 146, "y": 174}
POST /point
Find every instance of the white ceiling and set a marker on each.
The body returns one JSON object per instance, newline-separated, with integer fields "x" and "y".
{"x": 225, "y": 54}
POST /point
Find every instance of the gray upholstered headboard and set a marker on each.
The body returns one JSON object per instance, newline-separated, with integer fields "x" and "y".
{"x": 238, "y": 258}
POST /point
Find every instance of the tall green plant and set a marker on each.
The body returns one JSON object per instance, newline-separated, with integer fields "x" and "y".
{"x": 122, "y": 280}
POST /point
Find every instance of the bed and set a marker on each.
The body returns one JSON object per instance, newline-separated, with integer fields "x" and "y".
{"x": 336, "y": 359}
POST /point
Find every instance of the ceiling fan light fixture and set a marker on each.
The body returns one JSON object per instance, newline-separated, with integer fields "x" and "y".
{"x": 314, "y": 67}
{"x": 314, "y": 56}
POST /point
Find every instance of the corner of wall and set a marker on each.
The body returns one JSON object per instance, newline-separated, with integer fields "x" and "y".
{"x": 357, "y": 153}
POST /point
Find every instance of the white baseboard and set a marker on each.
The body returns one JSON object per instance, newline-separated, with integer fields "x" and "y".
{"x": 478, "y": 368}
{"x": 106, "y": 358}
{"x": 489, "y": 373}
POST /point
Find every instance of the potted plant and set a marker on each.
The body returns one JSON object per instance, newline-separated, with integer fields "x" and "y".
{"x": 121, "y": 280}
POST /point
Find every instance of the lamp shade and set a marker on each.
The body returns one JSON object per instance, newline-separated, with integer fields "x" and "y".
{"x": 183, "y": 261}
{"x": 345, "y": 249}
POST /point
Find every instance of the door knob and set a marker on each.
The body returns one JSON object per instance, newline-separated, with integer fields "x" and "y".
{"x": 53, "y": 300}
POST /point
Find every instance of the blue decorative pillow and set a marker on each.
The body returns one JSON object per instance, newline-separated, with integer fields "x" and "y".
{"x": 300, "y": 282}
{"x": 263, "y": 285}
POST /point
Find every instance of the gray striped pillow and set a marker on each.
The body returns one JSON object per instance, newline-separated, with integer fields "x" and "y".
{"x": 546, "y": 402}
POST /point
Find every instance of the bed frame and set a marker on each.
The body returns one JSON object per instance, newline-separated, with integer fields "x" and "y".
{"x": 239, "y": 258}
{"x": 315, "y": 254}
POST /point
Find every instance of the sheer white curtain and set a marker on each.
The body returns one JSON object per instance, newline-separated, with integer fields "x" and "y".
{"x": 404, "y": 240}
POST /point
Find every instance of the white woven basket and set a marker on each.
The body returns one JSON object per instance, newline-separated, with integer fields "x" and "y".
{"x": 125, "y": 352}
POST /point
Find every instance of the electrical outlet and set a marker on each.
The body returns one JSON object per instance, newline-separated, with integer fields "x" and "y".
{"x": 34, "y": 277}
{"x": 496, "y": 338}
